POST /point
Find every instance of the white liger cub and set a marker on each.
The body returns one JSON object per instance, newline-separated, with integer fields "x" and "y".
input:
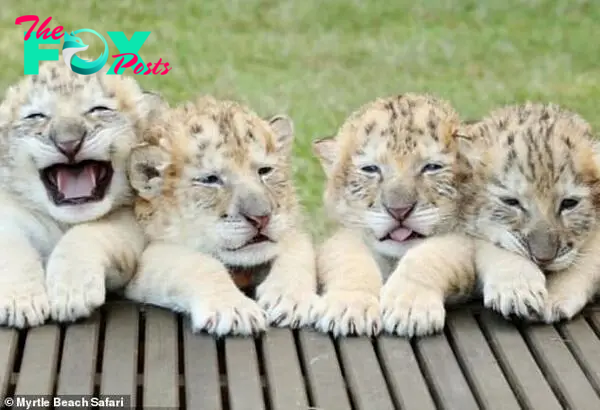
{"x": 67, "y": 229}
{"x": 537, "y": 197}
{"x": 393, "y": 176}
{"x": 215, "y": 194}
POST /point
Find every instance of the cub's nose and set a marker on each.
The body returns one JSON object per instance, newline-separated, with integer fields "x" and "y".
{"x": 69, "y": 148}
{"x": 258, "y": 221}
{"x": 401, "y": 213}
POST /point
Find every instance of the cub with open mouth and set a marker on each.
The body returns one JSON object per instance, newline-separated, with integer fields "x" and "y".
{"x": 393, "y": 175}
{"x": 216, "y": 195}
{"x": 66, "y": 223}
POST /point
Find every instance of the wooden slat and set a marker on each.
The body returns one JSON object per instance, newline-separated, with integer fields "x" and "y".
{"x": 243, "y": 376}
{"x": 8, "y": 347}
{"x": 201, "y": 370}
{"x": 286, "y": 385}
{"x": 40, "y": 358}
{"x": 444, "y": 373}
{"x": 520, "y": 367}
{"x": 484, "y": 372}
{"x": 78, "y": 364}
{"x": 120, "y": 357}
{"x": 562, "y": 368}
{"x": 402, "y": 369}
{"x": 364, "y": 375}
{"x": 586, "y": 346}
{"x": 161, "y": 376}
{"x": 323, "y": 371}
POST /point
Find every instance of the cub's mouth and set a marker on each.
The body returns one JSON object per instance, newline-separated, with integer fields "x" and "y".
{"x": 76, "y": 184}
{"x": 402, "y": 234}
{"x": 260, "y": 238}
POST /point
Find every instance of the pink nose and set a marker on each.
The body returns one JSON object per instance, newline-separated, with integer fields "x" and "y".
{"x": 400, "y": 213}
{"x": 69, "y": 148}
{"x": 258, "y": 221}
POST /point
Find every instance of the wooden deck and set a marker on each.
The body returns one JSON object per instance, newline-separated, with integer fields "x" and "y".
{"x": 481, "y": 361}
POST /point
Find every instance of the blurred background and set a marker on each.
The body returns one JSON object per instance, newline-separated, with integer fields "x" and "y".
{"x": 318, "y": 61}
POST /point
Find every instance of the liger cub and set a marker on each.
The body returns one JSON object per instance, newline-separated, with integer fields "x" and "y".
{"x": 394, "y": 173}
{"x": 215, "y": 194}
{"x": 67, "y": 230}
{"x": 536, "y": 211}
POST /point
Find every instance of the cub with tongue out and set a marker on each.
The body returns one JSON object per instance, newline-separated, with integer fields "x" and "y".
{"x": 67, "y": 230}
{"x": 394, "y": 171}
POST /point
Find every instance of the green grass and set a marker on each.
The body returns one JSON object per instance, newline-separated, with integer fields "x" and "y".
{"x": 319, "y": 60}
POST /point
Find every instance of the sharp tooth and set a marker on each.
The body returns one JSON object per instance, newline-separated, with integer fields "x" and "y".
{"x": 102, "y": 172}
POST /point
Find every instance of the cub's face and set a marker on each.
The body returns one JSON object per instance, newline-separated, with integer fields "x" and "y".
{"x": 394, "y": 170}
{"x": 539, "y": 191}
{"x": 65, "y": 141}
{"x": 218, "y": 178}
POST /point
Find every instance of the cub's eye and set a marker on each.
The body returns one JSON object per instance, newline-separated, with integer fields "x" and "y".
{"x": 209, "y": 180}
{"x": 35, "y": 116}
{"x": 568, "y": 203}
{"x": 264, "y": 170}
{"x": 97, "y": 109}
{"x": 370, "y": 169}
{"x": 510, "y": 201}
{"x": 431, "y": 166}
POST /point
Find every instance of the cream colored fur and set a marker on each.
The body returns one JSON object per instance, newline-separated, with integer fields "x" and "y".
{"x": 392, "y": 153}
{"x": 56, "y": 261}
{"x": 201, "y": 169}
{"x": 438, "y": 271}
{"x": 536, "y": 210}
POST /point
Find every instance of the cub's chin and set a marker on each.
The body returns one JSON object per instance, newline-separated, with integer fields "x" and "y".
{"x": 256, "y": 252}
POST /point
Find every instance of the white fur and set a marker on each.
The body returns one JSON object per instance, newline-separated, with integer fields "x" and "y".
{"x": 178, "y": 278}
{"x": 413, "y": 298}
{"x": 57, "y": 261}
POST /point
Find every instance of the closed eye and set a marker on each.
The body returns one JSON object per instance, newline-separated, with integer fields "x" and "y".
{"x": 431, "y": 167}
{"x": 35, "y": 116}
{"x": 370, "y": 169}
{"x": 510, "y": 201}
{"x": 211, "y": 179}
{"x": 98, "y": 108}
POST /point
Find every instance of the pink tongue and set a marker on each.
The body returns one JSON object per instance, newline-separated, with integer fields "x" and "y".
{"x": 76, "y": 184}
{"x": 400, "y": 234}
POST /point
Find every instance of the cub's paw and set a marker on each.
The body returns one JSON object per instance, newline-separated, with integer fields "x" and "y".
{"x": 563, "y": 307}
{"x": 75, "y": 290}
{"x": 348, "y": 313}
{"x": 228, "y": 314}
{"x": 23, "y": 304}
{"x": 410, "y": 310}
{"x": 523, "y": 295}
{"x": 286, "y": 307}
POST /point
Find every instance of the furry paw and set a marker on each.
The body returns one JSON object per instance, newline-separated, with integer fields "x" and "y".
{"x": 75, "y": 289}
{"x": 348, "y": 312}
{"x": 228, "y": 314}
{"x": 523, "y": 295}
{"x": 559, "y": 307}
{"x": 410, "y": 310}
{"x": 23, "y": 305}
{"x": 287, "y": 307}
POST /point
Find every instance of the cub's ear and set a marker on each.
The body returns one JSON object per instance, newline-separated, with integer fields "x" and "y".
{"x": 151, "y": 104}
{"x": 326, "y": 149}
{"x": 284, "y": 130}
{"x": 468, "y": 136}
{"x": 146, "y": 170}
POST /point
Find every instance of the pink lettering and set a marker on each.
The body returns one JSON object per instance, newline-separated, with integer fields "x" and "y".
{"x": 24, "y": 19}
{"x": 128, "y": 64}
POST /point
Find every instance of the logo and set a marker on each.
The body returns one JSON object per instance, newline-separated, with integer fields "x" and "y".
{"x": 74, "y": 44}
{"x": 128, "y": 56}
